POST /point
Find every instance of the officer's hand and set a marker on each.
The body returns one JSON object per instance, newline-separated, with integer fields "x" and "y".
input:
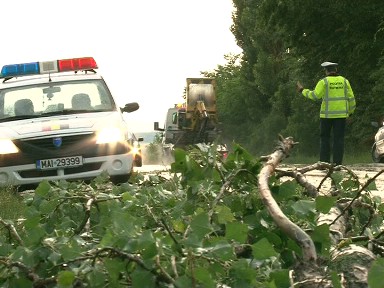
{"x": 299, "y": 87}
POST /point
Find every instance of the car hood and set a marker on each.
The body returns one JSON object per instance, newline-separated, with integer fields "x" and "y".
{"x": 62, "y": 124}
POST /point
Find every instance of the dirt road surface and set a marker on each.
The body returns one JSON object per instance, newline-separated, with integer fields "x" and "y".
{"x": 363, "y": 171}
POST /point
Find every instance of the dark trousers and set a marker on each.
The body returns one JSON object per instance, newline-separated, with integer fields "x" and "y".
{"x": 332, "y": 129}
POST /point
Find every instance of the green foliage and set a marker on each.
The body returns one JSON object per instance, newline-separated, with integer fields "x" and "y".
{"x": 204, "y": 224}
{"x": 284, "y": 41}
{"x": 376, "y": 273}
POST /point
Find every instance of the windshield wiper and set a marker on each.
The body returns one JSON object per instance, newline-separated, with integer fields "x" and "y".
{"x": 57, "y": 112}
{"x": 18, "y": 117}
{"x": 65, "y": 112}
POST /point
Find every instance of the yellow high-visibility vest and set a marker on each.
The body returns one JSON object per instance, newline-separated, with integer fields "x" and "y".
{"x": 335, "y": 92}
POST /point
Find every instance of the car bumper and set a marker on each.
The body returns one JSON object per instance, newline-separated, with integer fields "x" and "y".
{"x": 27, "y": 174}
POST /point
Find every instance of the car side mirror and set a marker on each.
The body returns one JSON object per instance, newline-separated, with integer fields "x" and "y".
{"x": 130, "y": 107}
{"x": 156, "y": 127}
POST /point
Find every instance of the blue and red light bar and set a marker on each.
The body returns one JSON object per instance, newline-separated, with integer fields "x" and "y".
{"x": 34, "y": 68}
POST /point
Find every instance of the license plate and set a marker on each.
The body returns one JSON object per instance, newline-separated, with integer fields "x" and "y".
{"x": 63, "y": 162}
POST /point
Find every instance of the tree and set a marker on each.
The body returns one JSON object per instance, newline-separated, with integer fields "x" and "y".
{"x": 285, "y": 41}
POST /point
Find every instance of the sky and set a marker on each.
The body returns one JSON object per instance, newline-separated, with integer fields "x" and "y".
{"x": 145, "y": 49}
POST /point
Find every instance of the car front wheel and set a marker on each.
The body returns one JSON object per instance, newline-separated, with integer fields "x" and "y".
{"x": 119, "y": 179}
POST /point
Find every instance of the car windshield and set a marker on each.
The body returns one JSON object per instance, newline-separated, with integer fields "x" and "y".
{"x": 41, "y": 100}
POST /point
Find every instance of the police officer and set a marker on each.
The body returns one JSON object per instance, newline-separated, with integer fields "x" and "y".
{"x": 337, "y": 104}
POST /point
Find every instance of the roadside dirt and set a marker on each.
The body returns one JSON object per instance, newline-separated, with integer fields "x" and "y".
{"x": 363, "y": 171}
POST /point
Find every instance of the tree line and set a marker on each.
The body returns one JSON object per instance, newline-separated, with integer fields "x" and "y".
{"x": 286, "y": 41}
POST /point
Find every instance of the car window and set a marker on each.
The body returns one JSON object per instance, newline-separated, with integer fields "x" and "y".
{"x": 37, "y": 100}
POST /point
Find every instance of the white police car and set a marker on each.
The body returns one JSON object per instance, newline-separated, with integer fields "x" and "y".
{"x": 58, "y": 120}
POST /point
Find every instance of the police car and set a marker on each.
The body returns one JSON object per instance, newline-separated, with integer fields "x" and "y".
{"x": 58, "y": 120}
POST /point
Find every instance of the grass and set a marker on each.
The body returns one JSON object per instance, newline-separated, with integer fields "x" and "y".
{"x": 358, "y": 158}
{"x": 349, "y": 158}
{"x": 11, "y": 204}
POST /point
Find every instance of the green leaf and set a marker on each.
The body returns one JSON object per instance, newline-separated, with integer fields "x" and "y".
{"x": 95, "y": 278}
{"x": 5, "y": 249}
{"x": 124, "y": 222}
{"x": 180, "y": 163}
{"x": 126, "y": 196}
{"x": 149, "y": 251}
{"x": 70, "y": 250}
{"x": 337, "y": 177}
{"x": 142, "y": 279}
{"x": 242, "y": 274}
{"x": 325, "y": 203}
{"x": 220, "y": 249}
{"x": 24, "y": 253}
{"x": 204, "y": 277}
{"x": 285, "y": 191}
{"x": 65, "y": 278}
{"x": 273, "y": 238}
{"x": 145, "y": 239}
{"x": 280, "y": 278}
{"x": 114, "y": 267}
{"x": 263, "y": 249}
{"x": 320, "y": 235}
{"x": 348, "y": 184}
{"x": 200, "y": 225}
{"x": 224, "y": 214}
{"x": 35, "y": 235}
{"x": 381, "y": 207}
{"x": 22, "y": 281}
{"x": 43, "y": 188}
{"x": 335, "y": 280}
{"x": 187, "y": 165}
{"x": 147, "y": 244}
{"x": 375, "y": 274}
{"x": 372, "y": 186}
{"x": 192, "y": 240}
{"x": 184, "y": 282}
{"x": 47, "y": 207}
{"x": 178, "y": 226}
{"x": 304, "y": 207}
{"x": 236, "y": 231}
{"x": 54, "y": 257}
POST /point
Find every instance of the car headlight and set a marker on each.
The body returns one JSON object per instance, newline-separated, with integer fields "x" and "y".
{"x": 7, "y": 147}
{"x": 110, "y": 135}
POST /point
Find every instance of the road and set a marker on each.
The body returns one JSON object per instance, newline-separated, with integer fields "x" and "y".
{"x": 151, "y": 168}
{"x": 363, "y": 171}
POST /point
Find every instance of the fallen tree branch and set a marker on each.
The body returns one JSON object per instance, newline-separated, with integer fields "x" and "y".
{"x": 359, "y": 192}
{"x": 12, "y": 231}
{"x": 290, "y": 228}
{"x": 311, "y": 190}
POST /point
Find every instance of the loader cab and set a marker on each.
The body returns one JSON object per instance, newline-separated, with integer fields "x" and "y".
{"x": 169, "y": 125}
{"x": 179, "y": 118}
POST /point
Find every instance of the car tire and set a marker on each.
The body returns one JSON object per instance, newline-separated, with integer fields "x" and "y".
{"x": 119, "y": 179}
{"x": 375, "y": 157}
{"x": 138, "y": 161}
